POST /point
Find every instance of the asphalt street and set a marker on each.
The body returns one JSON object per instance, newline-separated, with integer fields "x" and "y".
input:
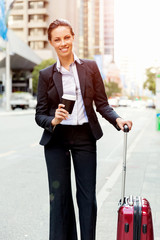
{"x": 24, "y": 199}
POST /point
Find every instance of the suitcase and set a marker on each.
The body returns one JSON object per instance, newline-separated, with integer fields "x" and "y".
{"x": 134, "y": 213}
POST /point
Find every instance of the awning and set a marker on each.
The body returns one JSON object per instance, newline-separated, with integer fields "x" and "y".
{"x": 22, "y": 57}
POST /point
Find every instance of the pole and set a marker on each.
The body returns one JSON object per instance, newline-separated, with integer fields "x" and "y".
{"x": 158, "y": 101}
{"x": 8, "y": 79}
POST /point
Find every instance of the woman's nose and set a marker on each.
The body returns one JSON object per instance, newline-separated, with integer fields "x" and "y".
{"x": 63, "y": 42}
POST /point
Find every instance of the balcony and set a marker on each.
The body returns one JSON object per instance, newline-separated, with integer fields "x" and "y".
{"x": 17, "y": 12}
{"x": 37, "y": 24}
{"x": 38, "y": 38}
{"x": 37, "y": 0}
{"x": 37, "y": 11}
{"x": 17, "y": 24}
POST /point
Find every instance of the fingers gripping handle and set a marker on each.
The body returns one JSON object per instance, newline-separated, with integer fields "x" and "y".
{"x": 126, "y": 130}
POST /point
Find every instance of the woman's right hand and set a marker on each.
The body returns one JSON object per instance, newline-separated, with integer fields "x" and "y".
{"x": 60, "y": 115}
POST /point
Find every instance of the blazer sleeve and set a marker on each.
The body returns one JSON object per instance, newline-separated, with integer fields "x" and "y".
{"x": 42, "y": 116}
{"x": 101, "y": 100}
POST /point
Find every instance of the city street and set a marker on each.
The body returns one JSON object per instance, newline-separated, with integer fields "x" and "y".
{"x": 24, "y": 208}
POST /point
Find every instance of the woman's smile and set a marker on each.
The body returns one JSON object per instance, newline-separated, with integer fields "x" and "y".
{"x": 64, "y": 49}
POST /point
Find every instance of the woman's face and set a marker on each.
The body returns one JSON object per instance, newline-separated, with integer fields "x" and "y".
{"x": 62, "y": 41}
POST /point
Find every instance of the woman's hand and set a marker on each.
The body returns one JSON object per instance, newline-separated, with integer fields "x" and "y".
{"x": 60, "y": 115}
{"x": 121, "y": 122}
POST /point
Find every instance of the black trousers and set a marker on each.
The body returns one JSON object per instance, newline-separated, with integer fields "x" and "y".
{"x": 78, "y": 142}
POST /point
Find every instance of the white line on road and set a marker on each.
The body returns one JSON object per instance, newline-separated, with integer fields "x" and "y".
{"x": 12, "y": 152}
{"x": 7, "y": 154}
{"x": 107, "y": 187}
{"x": 34, "y": 145}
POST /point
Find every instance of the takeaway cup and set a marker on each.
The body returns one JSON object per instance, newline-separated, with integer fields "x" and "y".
{"x": 69, "y": 101}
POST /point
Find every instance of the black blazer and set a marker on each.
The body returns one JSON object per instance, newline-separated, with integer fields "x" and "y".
{"x": 50, "y": 91}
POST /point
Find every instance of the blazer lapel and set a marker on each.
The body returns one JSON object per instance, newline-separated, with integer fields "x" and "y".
{"x": 82, "y": 76}
{"x": 57, "y": 78}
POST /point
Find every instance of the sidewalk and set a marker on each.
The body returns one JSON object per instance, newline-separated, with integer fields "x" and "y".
{"x": 142, "y": 179}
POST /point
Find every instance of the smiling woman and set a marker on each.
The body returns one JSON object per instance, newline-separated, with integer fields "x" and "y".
{"x": 73, "y": 133}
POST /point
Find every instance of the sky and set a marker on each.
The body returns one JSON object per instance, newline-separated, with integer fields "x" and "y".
{"x": 137, "y": 31}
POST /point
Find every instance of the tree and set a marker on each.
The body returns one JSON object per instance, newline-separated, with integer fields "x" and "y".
{"x": 150, "y": 82}
{"x": 37, "y": 68}
{"x": 112, "y": 88}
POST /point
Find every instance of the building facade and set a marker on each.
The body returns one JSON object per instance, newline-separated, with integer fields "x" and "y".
{"x": 89, "y": 28}
{"x": 108, "y": 11}
{"x": 92, "y": 21}
{"x": 29, "y": 19}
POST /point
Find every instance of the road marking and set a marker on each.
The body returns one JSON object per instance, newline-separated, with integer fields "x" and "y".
{"x": 107, "y": 187}
{"x": 34, "y": 145}
{"x": 7, "y": 154}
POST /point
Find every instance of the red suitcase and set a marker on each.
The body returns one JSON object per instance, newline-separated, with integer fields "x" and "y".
{"x": 134, "y": 213}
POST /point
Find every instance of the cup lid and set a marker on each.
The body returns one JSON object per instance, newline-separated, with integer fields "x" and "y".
{"x": 69, "y": 97}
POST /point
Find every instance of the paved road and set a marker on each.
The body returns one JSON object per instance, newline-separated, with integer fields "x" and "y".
{"x": 23, "y": 178}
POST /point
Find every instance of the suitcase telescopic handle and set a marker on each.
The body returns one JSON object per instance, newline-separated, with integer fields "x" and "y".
{"x": 126, "y": 130}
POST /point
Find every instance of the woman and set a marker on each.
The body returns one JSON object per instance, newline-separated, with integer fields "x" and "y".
{"x": 71, "y": 135}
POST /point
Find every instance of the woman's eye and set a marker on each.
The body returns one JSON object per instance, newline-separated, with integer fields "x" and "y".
{"x": 67, "y": 37}
{"x": 56, "y": 40}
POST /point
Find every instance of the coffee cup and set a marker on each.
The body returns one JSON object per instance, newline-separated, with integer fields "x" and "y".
{"x": 69, "y": 101}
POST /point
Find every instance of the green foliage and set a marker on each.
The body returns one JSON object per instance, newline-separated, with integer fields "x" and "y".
{"x": 37, "y": 68}
{"x": 150, "y": 83}
{"x": 112, "y": 88}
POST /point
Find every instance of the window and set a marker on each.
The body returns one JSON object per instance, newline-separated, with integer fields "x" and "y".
{"x": 36, "y": 32}
{"x": 37, "y": 45}
{"x": 31, "y": 18}
{"x": 18, "y": 6}
{"x": 17, "y": 17}
{"x": 40, "y": 17}
{"x": 31, "y": 32}
{"x": 32, "y": 5}
{"x": 40, "y": 4}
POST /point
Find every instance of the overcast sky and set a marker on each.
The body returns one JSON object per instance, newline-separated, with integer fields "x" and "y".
{"x": 137, "y": 29}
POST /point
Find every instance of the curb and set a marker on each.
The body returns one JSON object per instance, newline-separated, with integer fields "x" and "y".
{"x": 16, "y": 113}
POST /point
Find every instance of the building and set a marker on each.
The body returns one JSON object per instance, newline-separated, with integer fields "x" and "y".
{"x": 92, "y": 21}
{"x": 96, "y": 32}
{"x": 89, "y": 28}
{"x": 108, "y": 11}
{"x": 29, "y": 19}
{"x": 22, "y": 61}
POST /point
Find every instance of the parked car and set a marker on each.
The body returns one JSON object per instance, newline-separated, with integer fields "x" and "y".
{"x": 123, "y": 101}
{"x": 150, "y": 104}
{"x": 22, "y": 100}
{"x": 113, "y": 102}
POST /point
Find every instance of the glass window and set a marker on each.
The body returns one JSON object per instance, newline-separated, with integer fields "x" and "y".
{"x": 32, "y": 5}
{"x": 40, "y": 17}
{"x": 18, "y": 5}
{"x": 31, "y": 18}
{"x": 17, "y": 17}
{"x": 31, "y": 32}
{"x": 37, "y": 45}
{"x": 40, "y": 32}
{"x": 40, "y": 4}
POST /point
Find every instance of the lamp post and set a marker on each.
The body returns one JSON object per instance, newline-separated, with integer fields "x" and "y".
{"x": 8, "y": 78}
{"x": 158, "y": 101}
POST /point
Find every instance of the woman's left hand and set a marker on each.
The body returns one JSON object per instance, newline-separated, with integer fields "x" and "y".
{"x": 121, "y": 122}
